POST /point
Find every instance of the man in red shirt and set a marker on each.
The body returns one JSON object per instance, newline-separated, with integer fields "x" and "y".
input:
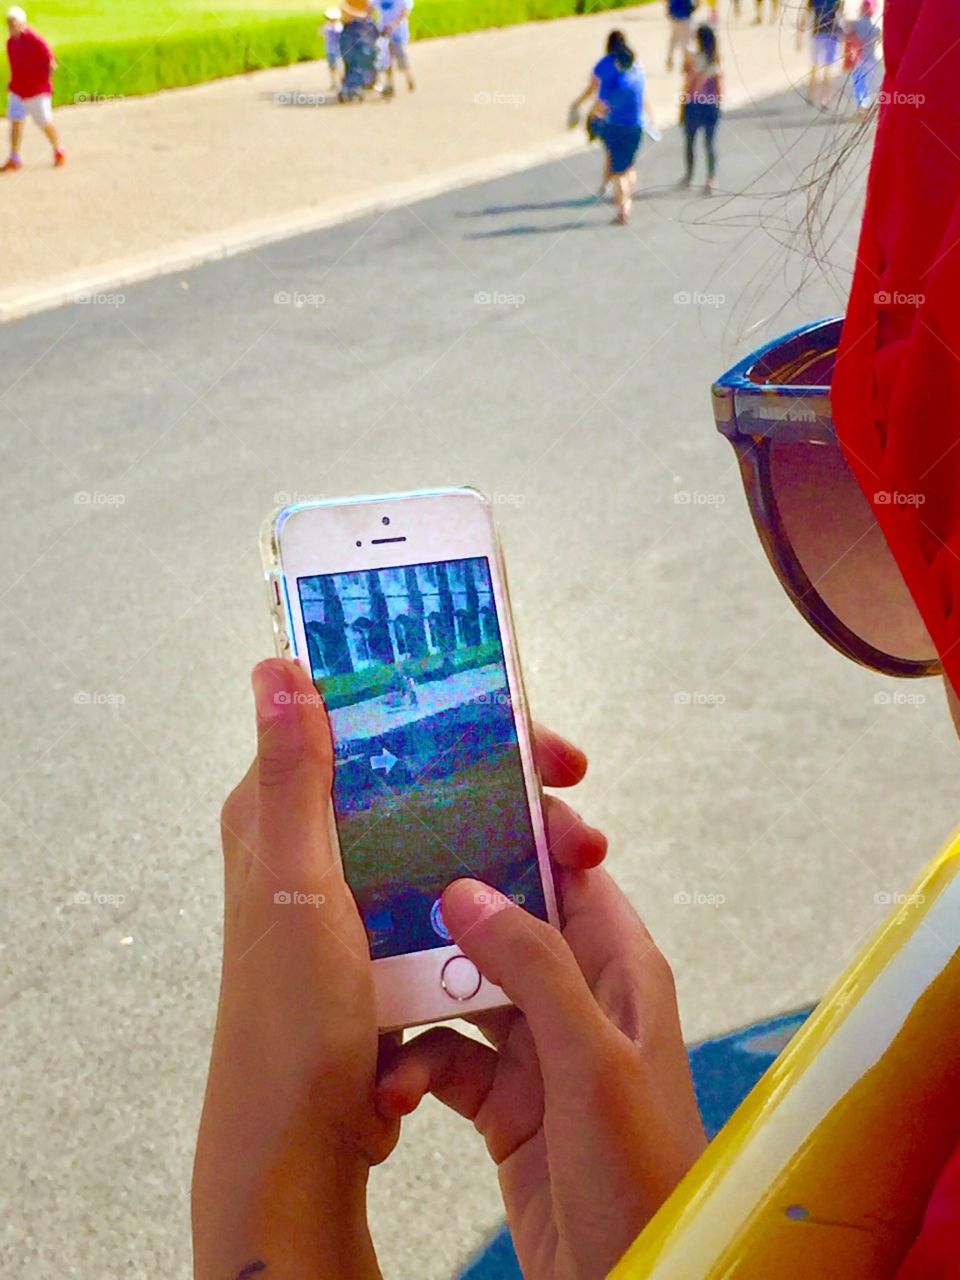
{"x": 31, "y": 64}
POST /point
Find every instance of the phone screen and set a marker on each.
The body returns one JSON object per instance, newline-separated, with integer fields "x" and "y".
{"x": 428, "y": 784}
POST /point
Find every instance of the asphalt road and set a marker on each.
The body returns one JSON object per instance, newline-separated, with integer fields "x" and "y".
{"x": 761, "y": 801}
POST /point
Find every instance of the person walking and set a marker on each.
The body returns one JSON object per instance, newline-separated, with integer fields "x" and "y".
{"x": 30, "y": 91}
{"x": 679, "y": 15}
{"x": 824, "y": 17}
{"x": 862, "y": 43}
{"x": 358, "y": 49}
{"x": 700, "y": 103}
{"x": 602, "y": 78}
{"x": 622, "y": 119}
{"x": 332, "y": 30}
{"x": 395, "y": 31}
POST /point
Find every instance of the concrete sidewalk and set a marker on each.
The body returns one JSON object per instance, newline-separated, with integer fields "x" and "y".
{"x": 159, "y": 183}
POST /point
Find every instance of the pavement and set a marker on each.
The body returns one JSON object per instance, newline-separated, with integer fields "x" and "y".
{"x": 160, "y": 183}
{"x": 765, "y": 798}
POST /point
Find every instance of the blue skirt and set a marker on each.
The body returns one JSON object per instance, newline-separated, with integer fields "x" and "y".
{"x": 622, "y": 142}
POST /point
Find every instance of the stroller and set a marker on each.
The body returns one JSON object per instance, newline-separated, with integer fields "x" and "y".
{"x": 358, "y": 48}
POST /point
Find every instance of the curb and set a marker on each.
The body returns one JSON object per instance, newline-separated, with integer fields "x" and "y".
{"x": 194, "y": 252}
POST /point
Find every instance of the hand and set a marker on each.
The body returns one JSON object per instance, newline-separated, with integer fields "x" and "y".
{"x": 585, "y": 1098}
{"x": 290, "y": 1127}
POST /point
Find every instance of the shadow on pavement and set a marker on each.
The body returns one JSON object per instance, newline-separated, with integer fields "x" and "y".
{"x": 582, "y": 202}
{"x": 547, "y": 229}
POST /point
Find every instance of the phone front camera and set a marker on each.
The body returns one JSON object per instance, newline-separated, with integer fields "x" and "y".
{"x": 359, "y": 543}
{"x": 385, "y": 520}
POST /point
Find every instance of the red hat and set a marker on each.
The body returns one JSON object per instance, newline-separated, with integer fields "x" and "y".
{"x": 896, "y": 386}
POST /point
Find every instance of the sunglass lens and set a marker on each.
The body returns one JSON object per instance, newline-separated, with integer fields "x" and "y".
{"x": 835, "y": 537}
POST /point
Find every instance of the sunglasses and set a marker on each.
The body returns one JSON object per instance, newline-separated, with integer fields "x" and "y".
{"x": 814, "y": 521}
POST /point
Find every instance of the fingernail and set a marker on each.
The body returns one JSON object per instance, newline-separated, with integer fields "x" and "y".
{"x": 273, "y": 690}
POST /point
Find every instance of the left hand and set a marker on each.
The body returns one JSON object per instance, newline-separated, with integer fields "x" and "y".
{"x": 290, "y": 1128}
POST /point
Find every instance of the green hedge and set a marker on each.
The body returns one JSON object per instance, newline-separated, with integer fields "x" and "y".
{"x": 344, "y": 690}
{"x": 97, "y": 71}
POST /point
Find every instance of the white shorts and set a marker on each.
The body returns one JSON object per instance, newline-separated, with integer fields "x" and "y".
{"x": 38, "y": 108}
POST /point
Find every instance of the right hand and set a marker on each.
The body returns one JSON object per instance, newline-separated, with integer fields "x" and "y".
{"x": 584, "y": 1094}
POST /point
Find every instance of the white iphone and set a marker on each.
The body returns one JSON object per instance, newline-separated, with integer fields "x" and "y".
{"x": 397, "y": 606}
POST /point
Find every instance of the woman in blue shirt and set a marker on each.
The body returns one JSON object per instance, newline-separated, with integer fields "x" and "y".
{"x": 618, "y": 85}
{"x": 621, "y": 128}
{"x": 602, "y": 75}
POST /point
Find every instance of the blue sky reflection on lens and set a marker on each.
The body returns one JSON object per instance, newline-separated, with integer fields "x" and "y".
{"x": 428, "y": 785}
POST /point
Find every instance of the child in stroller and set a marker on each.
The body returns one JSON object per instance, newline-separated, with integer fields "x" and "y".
{"x": 358, "y": 49}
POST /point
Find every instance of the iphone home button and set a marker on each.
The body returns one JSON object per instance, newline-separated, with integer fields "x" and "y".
{"x": 460, "y": 978}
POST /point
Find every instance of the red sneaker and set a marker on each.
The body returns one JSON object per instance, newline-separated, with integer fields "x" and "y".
{"x": 59, "y": 159}
{"x": 11, "y": 165}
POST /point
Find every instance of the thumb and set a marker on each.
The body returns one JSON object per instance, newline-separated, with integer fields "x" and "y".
{"x": 294, "y": 777}
{"x": 530, "y": 961}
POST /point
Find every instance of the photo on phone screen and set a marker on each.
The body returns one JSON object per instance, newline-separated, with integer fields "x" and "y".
{"x": 428, "y": 784}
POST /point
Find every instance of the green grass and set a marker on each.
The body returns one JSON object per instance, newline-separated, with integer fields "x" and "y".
{"x": 123, "y": 48}
{"x": 68, "y": 22}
